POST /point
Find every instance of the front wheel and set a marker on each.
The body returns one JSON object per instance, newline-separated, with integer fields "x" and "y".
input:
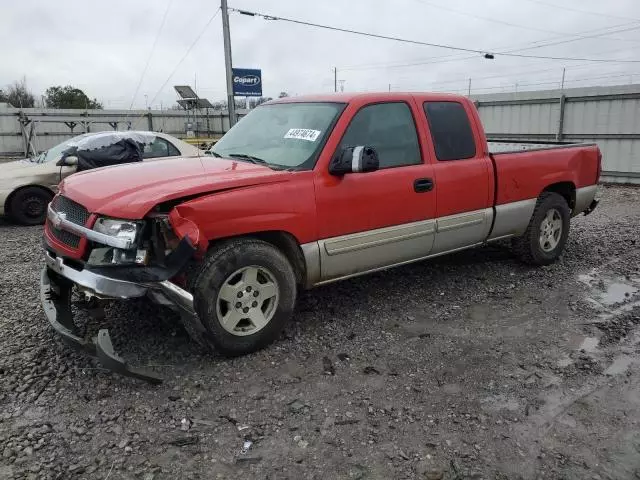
{"x": 547, "y": 233}
{"x": 244, "y": 294}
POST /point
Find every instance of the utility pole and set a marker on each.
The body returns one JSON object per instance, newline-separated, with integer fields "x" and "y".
{"x": 335, "y": 79}
{"x": 469, "y": 90}
{"x": 228, "y": 64}
{"x": 562, "y": 84}
{"x": 389, "y": 87}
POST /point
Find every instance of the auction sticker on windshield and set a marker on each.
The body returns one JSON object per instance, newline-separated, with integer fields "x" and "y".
{"x": 303, "y": 134}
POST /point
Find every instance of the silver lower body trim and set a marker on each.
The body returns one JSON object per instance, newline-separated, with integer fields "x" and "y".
{"x": 512, "y": 219}
{"x": 107, "y": 287}
{"x": 461, "y": 230}
{"x": 406, "y": 262}
{"x": 358, "y": 252}
{"x": 352, "y": 255}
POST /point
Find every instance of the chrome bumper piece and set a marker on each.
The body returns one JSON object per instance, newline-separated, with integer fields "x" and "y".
{"x": 107, "y": 287}
{"x": 100, "y": 285}
{"x": 59, "y": 220}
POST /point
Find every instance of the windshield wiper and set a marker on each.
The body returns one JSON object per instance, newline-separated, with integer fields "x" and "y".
{"x": 215, "y": 154}
{"x": 250, "y": 158}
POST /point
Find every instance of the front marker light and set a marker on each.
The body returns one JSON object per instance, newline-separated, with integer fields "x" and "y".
{"x": 114, "y": 256}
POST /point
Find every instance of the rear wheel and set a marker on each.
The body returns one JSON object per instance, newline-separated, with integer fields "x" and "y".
{"x": 547, "y": 233}
{"x": 244, "y": 294}
{"x": 29, "y": 206}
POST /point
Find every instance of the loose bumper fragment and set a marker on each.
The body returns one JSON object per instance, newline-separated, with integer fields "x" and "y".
{"x": 55, "y": 296}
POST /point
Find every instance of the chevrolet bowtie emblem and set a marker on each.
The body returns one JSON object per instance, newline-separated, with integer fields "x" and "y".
{"x": 58, "y": 218}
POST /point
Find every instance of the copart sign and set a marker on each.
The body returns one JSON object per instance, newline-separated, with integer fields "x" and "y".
{"x": 247, "y": 82}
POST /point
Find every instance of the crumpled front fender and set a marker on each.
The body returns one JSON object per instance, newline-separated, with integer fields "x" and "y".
{"x": 183, "y": 227}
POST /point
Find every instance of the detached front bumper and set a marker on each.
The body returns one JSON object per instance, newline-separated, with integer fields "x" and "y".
{"x": 57, "y": 282}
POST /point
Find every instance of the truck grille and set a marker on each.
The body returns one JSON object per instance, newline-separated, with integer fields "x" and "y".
{"x": 75, "y": 212}
{"x": 68, "y": 238}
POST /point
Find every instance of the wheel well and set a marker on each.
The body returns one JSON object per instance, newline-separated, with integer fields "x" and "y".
{"x": 7, "y": 202}
{"x": 287, "y": 244}
{"x": 566, "y": 189}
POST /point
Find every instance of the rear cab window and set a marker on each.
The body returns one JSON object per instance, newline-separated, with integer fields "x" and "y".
{"x": 450, "y": 130}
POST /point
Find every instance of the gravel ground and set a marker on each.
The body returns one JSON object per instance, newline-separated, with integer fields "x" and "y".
{"x": 471, "y": 366}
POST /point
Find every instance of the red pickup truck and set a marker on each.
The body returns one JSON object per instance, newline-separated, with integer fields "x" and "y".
{"x": 301, "y": 192}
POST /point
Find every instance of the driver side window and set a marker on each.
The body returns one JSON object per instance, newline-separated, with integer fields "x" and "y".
{"x": 390, "y": 129}
{"x": 160, "y": 148}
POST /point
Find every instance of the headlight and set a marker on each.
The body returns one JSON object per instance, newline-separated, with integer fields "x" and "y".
{"x": 125, "y": 229}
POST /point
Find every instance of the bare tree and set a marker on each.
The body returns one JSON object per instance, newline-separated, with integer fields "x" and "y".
{"x": 18, "y": 95}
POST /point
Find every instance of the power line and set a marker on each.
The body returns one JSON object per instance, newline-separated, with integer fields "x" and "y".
{"x": 486, "y": 53}
{"x": 356, "y": 32}
{"x": 153, "y": 47}
{"x": 635, "y": 26}
{"x": 557, "y": 82}
{"x": 529, "y": 46}
{"x": 501, "y": 75}
{"x": 588, "y": 12}
{"x": 530, "y": 84}
{"x": 514, "y": 71}
{"x": 193, "y": 44}
{"x": 510, "y": 24}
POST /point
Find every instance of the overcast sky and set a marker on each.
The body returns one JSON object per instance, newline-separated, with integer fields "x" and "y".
{"x": 102, "y": 46}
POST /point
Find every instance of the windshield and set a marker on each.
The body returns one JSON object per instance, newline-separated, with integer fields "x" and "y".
{"x": 55, "y": 153}
{"x": 285, "y": 135}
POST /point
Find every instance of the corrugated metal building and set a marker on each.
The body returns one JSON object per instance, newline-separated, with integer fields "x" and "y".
{"x": 609, "y": 116}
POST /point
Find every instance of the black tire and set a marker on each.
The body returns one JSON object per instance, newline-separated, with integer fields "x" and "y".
{"x": 528, "y": 247}
{"x": 220, "y": 263}
{"x": 28, "y": 206}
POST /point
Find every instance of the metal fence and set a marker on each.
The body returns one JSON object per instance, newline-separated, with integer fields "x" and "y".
{"x": 23, "y": 131}
{"x": 609, "y": 116}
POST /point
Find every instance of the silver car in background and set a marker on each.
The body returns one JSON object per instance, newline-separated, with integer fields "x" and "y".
{"x": 27, "y": 186}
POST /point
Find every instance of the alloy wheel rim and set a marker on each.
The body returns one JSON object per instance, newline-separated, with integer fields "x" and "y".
{"x": 550, "y": 230}
{"x": 247, "y": 300}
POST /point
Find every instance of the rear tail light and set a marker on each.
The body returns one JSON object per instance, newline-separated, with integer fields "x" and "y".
{"x": 599, "y": 166}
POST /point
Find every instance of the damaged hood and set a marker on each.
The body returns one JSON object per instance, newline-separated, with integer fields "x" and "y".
{"x": 131, "y": 191}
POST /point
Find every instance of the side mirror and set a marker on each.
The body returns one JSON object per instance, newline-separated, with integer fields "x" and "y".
{"x": 68, "y": 161}
{"x": 360, "y": 159}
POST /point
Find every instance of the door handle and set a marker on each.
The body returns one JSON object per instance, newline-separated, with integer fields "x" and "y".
{"x": 422, "y": 185}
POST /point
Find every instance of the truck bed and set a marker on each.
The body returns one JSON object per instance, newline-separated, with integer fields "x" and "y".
{"x": 514, "y": 146}
{"x": 525, "y": 172}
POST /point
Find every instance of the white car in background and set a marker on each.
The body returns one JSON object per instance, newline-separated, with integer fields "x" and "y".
{"x": 27, "y": 186}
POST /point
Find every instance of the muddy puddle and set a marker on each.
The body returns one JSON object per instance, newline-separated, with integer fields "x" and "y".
{"x": 620, "y": 365}
{"x": 607, "y": 291}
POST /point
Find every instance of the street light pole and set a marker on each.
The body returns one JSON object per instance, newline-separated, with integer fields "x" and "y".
{"x": 228, "y": 64}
